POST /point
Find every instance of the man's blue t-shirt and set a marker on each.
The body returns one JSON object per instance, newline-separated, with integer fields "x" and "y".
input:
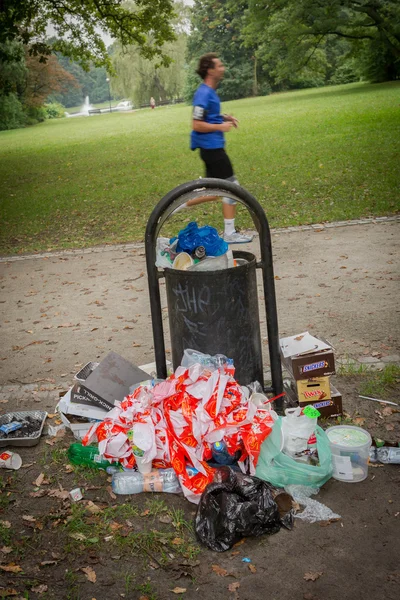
{"x": 207, "y": 107}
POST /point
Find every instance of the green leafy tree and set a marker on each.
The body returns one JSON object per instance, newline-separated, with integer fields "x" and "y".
{"x": 78, "y": 26}
{"x": 139, "y": 78}
{"x": 216, "y": 26}
{"x": 291, "y": 34}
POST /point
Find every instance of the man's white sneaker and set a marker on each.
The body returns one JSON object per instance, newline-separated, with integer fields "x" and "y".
{"x": 237, "y": 238}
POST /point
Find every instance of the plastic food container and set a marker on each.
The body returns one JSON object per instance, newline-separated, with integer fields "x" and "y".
{"x": 182, "y": 261}
{"x": 30, "y": 432}
{"x": 350, "y": 452}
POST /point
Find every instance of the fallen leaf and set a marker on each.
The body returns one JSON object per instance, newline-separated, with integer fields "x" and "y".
{"x": 165, "y": 519}
{"x": 387, "y": 411}
{"x": 178, "y": 590}
{"x": 29, "y": 518}
{"x": 48, "y": 563}
{"x": 359, "y": 421}
{"x": 62, "y": 494}
{"x": 109, "y": 490}
{"x": 312, "y": 576}
{"x": 40, "y": 589}
{"x": 252, "y": 568}
{"x": 90, "y": 574}
{"x": 11, "y": 568}
{"x": 389, "y": 426}
{"x": 177, "y": 541}
{"x": 5, "y": 524}
{"x": 232, "y": 587}
{"x": 219, "y": 570}
{"x": 145, "y": 513}
{"x": 39, "y": 493}
{"x": 93, "y": 508}
{"x": 6, "y": 549}
{"x": 78, "y": 536}
{"x": 6, "y": 593}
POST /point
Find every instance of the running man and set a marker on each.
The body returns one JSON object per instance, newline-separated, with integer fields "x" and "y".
{"x": 208, "y": 128}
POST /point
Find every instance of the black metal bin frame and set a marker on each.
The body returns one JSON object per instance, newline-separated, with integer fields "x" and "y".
{"x": 162, "y": 211}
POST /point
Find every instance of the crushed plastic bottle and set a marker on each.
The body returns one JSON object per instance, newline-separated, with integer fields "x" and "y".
{"x": 163, "y": 480}
{"x": 385, "y": 455}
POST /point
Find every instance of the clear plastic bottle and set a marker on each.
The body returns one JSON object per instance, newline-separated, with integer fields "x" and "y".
{"x": 385, "y": 455}
{"x": 163, "y": 480}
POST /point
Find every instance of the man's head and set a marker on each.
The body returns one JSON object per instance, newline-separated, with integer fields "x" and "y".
{"x": 210, "y": 66}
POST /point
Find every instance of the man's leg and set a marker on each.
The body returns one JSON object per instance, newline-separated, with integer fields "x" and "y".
{"x": 218, "y": 165}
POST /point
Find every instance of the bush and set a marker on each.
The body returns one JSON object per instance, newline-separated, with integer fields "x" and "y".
{"x": 35, "y": 114}
{"x": 12, "y": 115}
{"x": 54, "y": 110}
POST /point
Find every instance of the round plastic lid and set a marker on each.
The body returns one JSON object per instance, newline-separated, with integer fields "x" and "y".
{"x": 348, "y": 436}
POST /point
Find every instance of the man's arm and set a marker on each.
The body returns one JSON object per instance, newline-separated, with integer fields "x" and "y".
{"x": 203, "y": 127}
{"x": 230, "y": 119}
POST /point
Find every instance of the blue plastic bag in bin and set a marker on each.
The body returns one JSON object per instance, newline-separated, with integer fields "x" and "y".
{"x": 193, "y": 236}
{"x": 281, "y": 470}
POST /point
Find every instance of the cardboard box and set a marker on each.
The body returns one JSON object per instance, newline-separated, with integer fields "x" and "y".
{"x": 328, "y": 408}
{"x": 66, "y": 406}
{"x": 108, "y": 382}
{"x": 313, "y": 389}
{"x": 78, "y": 429}
{"x": 305, "y": 356}
{"x": 151, "y": 368}
{"x": 78, "y": 417}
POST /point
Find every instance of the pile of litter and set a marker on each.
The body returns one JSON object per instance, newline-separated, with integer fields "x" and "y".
{"x": 176, "y": 422}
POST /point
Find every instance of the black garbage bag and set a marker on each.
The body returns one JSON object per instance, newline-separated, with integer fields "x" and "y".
{"x": 236, "y": 506}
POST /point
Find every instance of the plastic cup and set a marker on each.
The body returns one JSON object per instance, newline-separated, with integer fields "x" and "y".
{"x": 76, "y": 494}
{"x": 10, "y": 460}
{"x": 143, "y": 467}
{"x": 182, "y": 261}
{"x": 350, "y": 448}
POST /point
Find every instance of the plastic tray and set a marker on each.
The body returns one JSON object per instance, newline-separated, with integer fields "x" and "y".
{"x": 20, "y": 437}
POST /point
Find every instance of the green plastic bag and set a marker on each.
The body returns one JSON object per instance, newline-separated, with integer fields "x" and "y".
{"x": 280, "y": 470}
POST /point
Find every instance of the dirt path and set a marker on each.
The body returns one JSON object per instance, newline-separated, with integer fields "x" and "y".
{"x": 59, "y": 311}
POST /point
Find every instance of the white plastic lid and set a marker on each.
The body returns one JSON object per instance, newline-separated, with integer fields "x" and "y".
{"x": 347, "y": 435}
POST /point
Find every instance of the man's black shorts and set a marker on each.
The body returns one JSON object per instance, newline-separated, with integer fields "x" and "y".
{"x": 217, "y": 163}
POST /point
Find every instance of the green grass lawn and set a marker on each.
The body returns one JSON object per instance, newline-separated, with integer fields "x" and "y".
{"x": 308, "y": 156}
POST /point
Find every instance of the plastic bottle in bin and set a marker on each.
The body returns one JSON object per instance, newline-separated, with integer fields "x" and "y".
{"x": 162, "y": 480}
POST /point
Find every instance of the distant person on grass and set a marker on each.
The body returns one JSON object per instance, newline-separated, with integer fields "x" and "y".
{"x": 208, "y": 128}
{"x": 152, "y": 102}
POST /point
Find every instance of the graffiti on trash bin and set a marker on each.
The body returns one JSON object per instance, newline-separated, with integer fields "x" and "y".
{"x": 190, "y": 301}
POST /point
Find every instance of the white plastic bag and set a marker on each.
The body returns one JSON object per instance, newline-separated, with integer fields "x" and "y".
{"x": 296, "y": 430}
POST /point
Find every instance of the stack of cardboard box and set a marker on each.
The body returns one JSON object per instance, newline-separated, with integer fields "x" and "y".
{"x": 310, "y": 362}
